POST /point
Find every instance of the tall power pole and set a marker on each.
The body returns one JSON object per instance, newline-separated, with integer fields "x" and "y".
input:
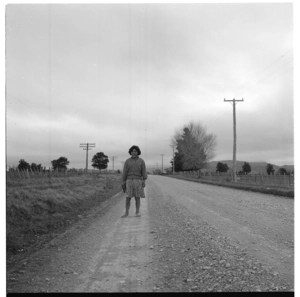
{"x": 234, "y": 135}
{"x": 86, "y": 147}
{"x": 162, "y": 163}
{"x": 113, "y": 159}
{"x": 173, "y": 145}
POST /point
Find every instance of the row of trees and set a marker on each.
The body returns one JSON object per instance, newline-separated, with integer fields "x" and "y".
{"x": 99, "y": 161}
{"x": 281, "y": 171}
{"x": 23, "y": 165}
{"x": 195, "y": 147}
{"x": 223, "y": 167}
{"x": 246, "y": 169}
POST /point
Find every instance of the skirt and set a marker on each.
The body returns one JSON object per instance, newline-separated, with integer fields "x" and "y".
{"x": 134, "y": 188}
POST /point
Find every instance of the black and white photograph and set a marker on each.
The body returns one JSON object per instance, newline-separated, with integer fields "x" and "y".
{"x": 149, "y": 147}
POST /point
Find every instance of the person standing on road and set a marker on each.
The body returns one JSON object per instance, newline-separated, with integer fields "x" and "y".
{"x": 134, "y": 178}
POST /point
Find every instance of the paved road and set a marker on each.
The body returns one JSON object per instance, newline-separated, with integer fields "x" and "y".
{"x": 182, "y": 224}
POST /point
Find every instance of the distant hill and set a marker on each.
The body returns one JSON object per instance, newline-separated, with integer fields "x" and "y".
{"x": 256, "y": 167}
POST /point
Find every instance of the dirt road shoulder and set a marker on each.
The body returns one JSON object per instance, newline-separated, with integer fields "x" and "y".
{"x": 102, "y": 253}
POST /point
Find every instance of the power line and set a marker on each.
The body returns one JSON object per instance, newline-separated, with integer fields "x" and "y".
{"x": 263, "y": 82}
{"x": 280, "y": 74}
{"x": 274, "y": 62}
{"x": 275, "y": 78}
{"x": 275, "y": 71}
{"x": 264, "y": 70}
{"x": 31, "y": 109}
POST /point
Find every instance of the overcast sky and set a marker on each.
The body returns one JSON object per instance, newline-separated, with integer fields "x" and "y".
{"x": 119, "y": 75}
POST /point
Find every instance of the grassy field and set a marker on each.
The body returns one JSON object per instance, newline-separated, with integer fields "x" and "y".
{"x": 38, "y": 207}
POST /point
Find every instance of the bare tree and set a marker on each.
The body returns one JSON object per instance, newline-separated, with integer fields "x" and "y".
{"x": 195, "y": 146}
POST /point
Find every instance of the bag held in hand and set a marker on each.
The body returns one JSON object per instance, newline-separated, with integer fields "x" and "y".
{"x": 124, "y": 188}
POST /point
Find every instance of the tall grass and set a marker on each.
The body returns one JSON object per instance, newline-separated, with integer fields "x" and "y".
{"x": 40, "y": 206}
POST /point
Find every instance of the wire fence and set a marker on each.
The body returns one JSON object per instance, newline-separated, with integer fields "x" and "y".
{"x": 286, "y": 181}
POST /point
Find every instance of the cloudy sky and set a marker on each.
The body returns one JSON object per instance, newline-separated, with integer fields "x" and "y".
{"x": 123, "y": 74}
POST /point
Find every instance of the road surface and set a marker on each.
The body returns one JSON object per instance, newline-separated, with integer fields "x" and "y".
{"x": 190, "y": 237}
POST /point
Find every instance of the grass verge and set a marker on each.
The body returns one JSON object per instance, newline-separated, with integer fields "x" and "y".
{"x": 38, "y": 208}
{"x": 241, "y": 186}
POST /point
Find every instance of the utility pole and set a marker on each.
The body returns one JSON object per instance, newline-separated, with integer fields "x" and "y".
{"x": 162, "y": 163}
{"x": 113, "y": 159}
{"x": 86, "y": 147}
{"x": 234, "y": 135}
{"x": 173, "y": 145}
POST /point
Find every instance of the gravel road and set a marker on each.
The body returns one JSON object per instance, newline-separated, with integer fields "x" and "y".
{"x": 190, "y": 237}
